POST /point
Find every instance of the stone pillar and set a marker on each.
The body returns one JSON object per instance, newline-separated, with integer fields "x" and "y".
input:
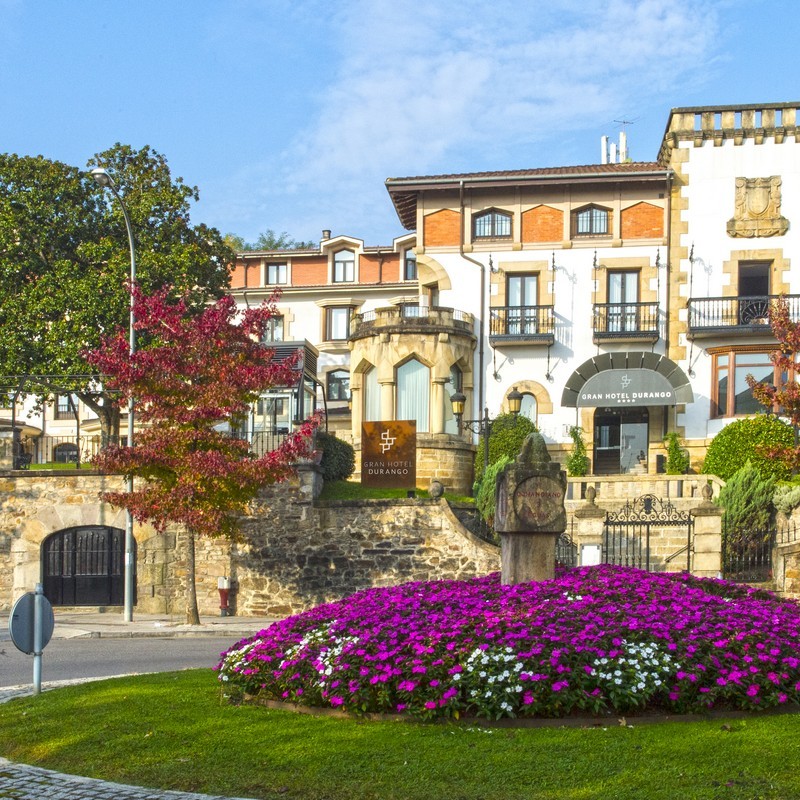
{"x": 530, "y": 514}
{"x": 588, "y": 529}
{"x": 707, "y": 561}
{"x": 437, "y": 405}
{"x": 387, "y": 399}
{"x": 356, "y": 412}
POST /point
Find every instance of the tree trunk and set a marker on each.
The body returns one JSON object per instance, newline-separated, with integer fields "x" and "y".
{"x": 192, "y": 613}
{"x": 108, "y": 414}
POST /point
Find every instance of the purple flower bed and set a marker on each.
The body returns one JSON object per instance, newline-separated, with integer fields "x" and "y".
{"x": 595, "y": 640}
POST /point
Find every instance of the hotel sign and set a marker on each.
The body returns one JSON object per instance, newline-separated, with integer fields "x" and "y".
{"x": 627, "y": 387}
{"x": 389, "y": 454}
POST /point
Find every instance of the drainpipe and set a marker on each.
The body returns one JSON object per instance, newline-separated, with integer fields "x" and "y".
{"x": 482, "y": 324}
{"x": 667, "y": 289}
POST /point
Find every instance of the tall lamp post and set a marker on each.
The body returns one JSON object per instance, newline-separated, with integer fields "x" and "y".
{"x": 483, "y": 426}
{"x": 104, "y": 180}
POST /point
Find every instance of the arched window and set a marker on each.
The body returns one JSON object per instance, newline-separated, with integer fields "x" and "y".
{"x": 372, "y": 395}
{"x": 491, "y": 225}
{"x": 413, "y": 393}
{"x": 528, "y": 408}
{"x": 590, "y": 221}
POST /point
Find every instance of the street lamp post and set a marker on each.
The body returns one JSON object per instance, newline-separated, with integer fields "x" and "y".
{"x": 483, "y": 426}
{"x": 103, "y": 179}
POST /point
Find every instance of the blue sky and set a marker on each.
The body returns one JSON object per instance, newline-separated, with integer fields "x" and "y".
{"x": 291, "y": 115}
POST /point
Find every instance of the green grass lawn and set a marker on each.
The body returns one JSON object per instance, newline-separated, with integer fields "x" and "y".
{"x": 172, "y": 731}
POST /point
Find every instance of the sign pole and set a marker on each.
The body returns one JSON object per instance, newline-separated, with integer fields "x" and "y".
{"x": 38, "y": 637}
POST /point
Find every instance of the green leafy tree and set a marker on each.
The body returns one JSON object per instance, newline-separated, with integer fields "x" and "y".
{"x": 750, "y": 439}
{"x": 268, "y": 240}
{"x": 485, "y": 496}
{"x": 677, "y": 457}
{"x": 195, "y": 372}
{"x": 784, "y": 396}
{"x": 338, "y": 457}
{"x": 577, "y": 463}
{"x": 65, "y": 261}
{"x": 506, "y": 437}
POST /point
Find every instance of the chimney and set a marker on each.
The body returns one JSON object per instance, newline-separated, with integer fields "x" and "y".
{"x": 326, "y": 235}
{"x": 604, "y": 149}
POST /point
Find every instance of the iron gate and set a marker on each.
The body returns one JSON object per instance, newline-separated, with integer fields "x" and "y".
{"x": 627, "y": 533}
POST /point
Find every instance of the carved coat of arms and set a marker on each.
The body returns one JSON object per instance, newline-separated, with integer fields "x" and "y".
{"x": 757, "y": 208}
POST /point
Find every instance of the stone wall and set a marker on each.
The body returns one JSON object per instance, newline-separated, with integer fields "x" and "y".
{"x": 293, "y": 554}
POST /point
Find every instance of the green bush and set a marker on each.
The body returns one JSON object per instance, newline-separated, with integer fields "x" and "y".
{"x": 747, "y": 500}
{"x": 508, "y": 433}
{"x": 338, "y": 457}
{"x": 577, "y": 463}
{"x": 484, "y": 496}
{"x": 787, "y": 496}
{"x": 677, "y": 457}
{"x": 741, "y": 441}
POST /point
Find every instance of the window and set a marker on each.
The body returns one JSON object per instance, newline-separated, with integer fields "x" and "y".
{"x": 273, "y": 331}
{"x": 65, "y": 453}
{"x": 730, "y": 393}
{"x": 528, "y": 408}
{"x": 456, "y": 384}
{"x": 623, "y": 297}
{"x": 344, "y": 266}
{"x": 413, "y": 393}
{"x": 275, "y": 274}
{"x": 590, "y": 221}
{"x": 522, "y": 293}
{"x": 491, "y": 225}
{"x": 339, "y": 384}
{"x": 372, "y": 395}
{"x": 337, "y": 323}
{"x": 754, "y": 278}
{"x": 409, "y": 265}
{"x": 65, "y": 406}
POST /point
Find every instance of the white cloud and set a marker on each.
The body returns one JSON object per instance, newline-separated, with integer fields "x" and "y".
{"x": 421, "y": 88}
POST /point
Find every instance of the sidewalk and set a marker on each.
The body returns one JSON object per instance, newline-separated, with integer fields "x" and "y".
{"x": 110, "y": 624}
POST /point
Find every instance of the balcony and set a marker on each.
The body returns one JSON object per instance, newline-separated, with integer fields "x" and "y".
{"x": 521, "y": 325}
{"x": 625, "y": 322}
{"x": 736, "y": 316}
{"x": 411, "y": 319}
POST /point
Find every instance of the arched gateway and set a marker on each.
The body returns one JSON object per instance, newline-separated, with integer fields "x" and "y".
{"x": 84, "y": 566}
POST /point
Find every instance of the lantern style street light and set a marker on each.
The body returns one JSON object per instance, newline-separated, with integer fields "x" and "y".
{"x": 483, "y": 426}
{"x": 103, "y": 179}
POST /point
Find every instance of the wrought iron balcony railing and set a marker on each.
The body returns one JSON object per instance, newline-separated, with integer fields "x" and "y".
{"x": 522, "y": 325}
{"x": 625, "y": 322}
{"x": 710, "y": 316}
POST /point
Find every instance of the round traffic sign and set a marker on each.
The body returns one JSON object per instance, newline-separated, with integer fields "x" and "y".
{"x": 21, "y": 622}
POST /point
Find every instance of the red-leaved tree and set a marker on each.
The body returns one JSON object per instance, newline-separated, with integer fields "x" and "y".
{"x": 191, "y": 373}
{"x": 785, "y": 396}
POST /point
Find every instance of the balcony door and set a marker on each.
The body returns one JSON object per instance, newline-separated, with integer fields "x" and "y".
{"x": 623, "y": 296}
{"x": 754, "y": 292}
{"x": 523, "y": 295}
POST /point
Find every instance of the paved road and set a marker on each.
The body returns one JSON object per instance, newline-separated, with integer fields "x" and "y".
{"x": 68, "y": 659}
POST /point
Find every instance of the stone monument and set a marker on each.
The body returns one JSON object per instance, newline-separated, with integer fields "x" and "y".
{"x": 530, "y": 513}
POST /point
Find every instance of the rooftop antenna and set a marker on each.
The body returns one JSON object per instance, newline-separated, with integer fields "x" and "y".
{"x": 623, "y": 137}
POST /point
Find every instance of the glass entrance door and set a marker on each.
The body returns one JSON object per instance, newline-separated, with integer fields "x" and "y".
{"x": 620, "y": 441}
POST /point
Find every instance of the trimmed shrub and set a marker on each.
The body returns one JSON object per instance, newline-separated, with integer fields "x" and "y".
{"x": 484, "y": 496}
{"x": 508, "y": 433}
{"x": 677, "y": 457}
{"x": 741, "y": 441}
{"x": 747, "y": 500}
{"x": 338, "y": 457}
{"x": 787, "y": 496}
{"x": 577, "y": 463}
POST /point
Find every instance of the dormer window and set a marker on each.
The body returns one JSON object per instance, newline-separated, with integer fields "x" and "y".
{"x": 344, "y": 266}
{"x": 591, "y": 221}
{"x": 491, "y": 225}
